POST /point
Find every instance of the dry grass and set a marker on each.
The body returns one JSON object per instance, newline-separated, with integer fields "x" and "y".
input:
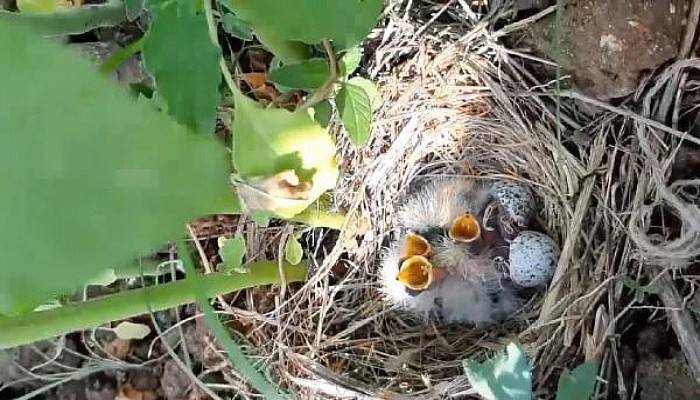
{"x": 457, "y": 101}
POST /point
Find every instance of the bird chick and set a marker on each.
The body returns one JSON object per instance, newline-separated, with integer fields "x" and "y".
{"x": 447, "y": 264}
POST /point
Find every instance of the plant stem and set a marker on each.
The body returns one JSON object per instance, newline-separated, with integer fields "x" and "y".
{"x": 318, "y": 218}
{"x": 40, "y": 325}
{"x": 112, "y": 63}
{"x": 240, "y": 361}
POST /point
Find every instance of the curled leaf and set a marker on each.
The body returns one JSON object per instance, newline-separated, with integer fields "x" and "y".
{"x": 284, "y": 160}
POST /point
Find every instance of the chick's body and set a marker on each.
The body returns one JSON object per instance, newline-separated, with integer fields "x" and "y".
{"x": 475, "y": 288}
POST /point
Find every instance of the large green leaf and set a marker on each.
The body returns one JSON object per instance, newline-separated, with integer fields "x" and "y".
{"x": 184, "y": 62}
{"x": 285, "y": 159}
{"x": 579, "y": 384}
{"x": 355, "y": 109}
{"x": 346, "y": 22}
{"x": 308, "y": 74}
{"x": 504, "y": 377}
{"x": 90, "y": 178}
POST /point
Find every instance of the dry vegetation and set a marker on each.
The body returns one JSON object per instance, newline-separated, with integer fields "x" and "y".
{"x": 457, "y": 100}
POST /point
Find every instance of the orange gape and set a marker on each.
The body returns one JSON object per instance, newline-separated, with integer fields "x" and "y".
{"x": 416, "y": 273}
{"x": 416, "y": 245}
{"x": 465, "y": 229}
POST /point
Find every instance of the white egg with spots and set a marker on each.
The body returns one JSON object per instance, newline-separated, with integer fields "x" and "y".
{"x": 516, "y": 201}
{"x": 533, "y": 258}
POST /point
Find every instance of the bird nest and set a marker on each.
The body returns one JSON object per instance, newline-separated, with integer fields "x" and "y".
{"x": 457, "y": 101}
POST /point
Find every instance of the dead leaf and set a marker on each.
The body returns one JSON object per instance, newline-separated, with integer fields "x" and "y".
{"x": 280, "y": 191}
{"x": 117, "y": 348}
{"x": 128, "y": 392}
{"x": 261, "y": 88}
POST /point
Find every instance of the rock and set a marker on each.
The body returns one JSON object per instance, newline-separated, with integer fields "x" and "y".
{"x": 607, "y": 45}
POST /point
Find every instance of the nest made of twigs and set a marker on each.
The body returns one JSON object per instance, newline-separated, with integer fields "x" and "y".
{"x": 456, "y": 101}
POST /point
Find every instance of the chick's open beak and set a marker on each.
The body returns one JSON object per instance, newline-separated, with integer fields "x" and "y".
{"x": 416, "y": 245}
{"x": 416, "y": 273}
{"x": 465, "y": 228}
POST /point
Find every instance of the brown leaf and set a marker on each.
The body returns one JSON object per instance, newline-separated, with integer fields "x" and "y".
{"x": 117, "y": 348}
{"x": 279, "y": 191}
{"x": 261, "y": 88}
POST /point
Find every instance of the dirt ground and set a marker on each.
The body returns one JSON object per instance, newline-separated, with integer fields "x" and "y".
{"x": 608, "y": 46}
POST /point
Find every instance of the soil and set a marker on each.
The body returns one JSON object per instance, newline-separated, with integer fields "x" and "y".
{"x": 655, "y": 362}
{"x": 607, "y": 46}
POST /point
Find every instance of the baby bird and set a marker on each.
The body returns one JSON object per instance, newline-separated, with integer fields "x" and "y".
{"x": 449, "y": 263}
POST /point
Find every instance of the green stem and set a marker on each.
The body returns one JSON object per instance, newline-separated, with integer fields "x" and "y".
{"x": 40, "y": 325}
{"x": 112, "y": 63}
{"x": 238, "y": 358}
{"x": 317, "y": 218}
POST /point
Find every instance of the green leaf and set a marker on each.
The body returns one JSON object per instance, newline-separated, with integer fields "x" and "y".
{"x": 355, "y": 111}
{"x": 323, "y": 112}
{"x": 306, "y": 75}
{"x": 72, "y": 21}
{"x": 284, "y": 160}
{"x": 504, "y": 377}
{"x": 293, "y": 251}
{"x": 134, "y": 8}
{"x": 184, "y": 62}
{"x": 351, "y": 60}
{"x": 370, "y": 89}
{"x": 232, "y": 252}
{"x": 236, "y": 27}
{"x": 288, "y": 51}
{"x": 346, "y": 22}
{"x": 41, "y": 6}
{"x": 579, "y": 384}
{"x": 262, "y": 218}
{"x": 131, "y": 331}
{"x": 95, "y": 179}
{"x": 104, "y": 278}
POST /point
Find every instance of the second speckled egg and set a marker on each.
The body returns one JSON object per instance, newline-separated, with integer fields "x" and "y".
{"x": 533, "y": 258}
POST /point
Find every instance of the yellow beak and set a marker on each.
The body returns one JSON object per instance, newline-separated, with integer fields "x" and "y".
{"x": 416, "y": 273}
{"x": 415, "y": 245}
{"x": 465, "y": 228}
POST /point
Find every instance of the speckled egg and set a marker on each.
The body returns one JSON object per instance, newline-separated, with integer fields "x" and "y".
{"x": 516, "y": 201}
{"x": 533, "y": 258}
